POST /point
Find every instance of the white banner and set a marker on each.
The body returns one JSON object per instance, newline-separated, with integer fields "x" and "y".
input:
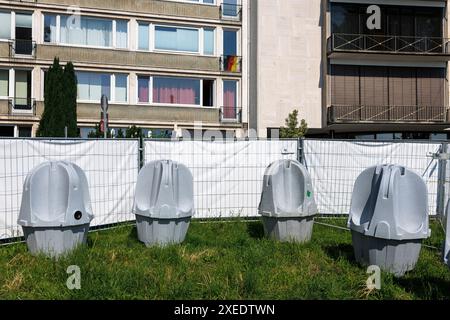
{"x": 111, "y": 167}
{"x": 227, "y": 175}
{"x": 335, "y": 165}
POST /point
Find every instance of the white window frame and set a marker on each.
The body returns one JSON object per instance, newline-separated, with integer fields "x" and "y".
{"x": 58, "y": 33}
{"x": 9, "y": 82}
{"x": 112, "y": 88}
{"x": 157, "y": 104}
{"x": 238, "y": 91}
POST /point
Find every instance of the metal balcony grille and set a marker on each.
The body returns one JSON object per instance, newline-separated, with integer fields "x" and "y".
{"x": 231, "y": 11}
{"x": 230, "y": 114}
{"x": 389, "y": 44}
{"x": 231, "y": 64}
{"x": 387, "y": 114}
{"x": 19, "y": 47}
{"x": 21, "y": 106}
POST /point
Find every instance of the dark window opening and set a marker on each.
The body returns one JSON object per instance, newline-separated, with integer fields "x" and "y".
{"x": 208, "y": 93}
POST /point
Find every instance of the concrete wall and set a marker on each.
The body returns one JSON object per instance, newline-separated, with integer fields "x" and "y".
{"x": 289, "y": 68}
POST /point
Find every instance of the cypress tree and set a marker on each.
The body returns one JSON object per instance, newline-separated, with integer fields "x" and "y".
{"x": 54, "y": 118}
{"x": 70, "y": 100}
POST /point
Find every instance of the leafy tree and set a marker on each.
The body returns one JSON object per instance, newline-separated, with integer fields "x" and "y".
{"x": 97, "y": 134}
{"x": 120, "y": 134}
{"x": 134, "y": 132}
{"x": 292, "y": 128}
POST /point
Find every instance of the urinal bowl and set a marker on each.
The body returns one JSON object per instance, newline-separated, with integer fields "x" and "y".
{"x": 161, "y": 232}
{"x": 393, "y": 256}
{"x": 55, "y": 241}
{"x": 298, "y": 229}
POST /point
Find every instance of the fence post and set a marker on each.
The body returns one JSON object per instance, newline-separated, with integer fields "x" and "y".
{"x": 442, "y": 177}
{"x": 300, "y": 150}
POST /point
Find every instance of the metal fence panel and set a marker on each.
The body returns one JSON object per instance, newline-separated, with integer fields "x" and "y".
{"x": 334, "y": 166}
{"x": 111, "y": 167}
{"x": 227, "y": 174}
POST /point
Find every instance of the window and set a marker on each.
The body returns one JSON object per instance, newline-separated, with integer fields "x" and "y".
{"x": 50, "y": 28}
{"x": 122, "y": 34}
{"x": 208, "y": 42}
{"x": 144, "y": 36}
{"x": 176, "y": 90}
{"x": 121, "y": 88}
{"x": 230, "y": 43}
{"x": 143, "y": 89}
{"x": 176, "y": 39}
{"x": 203, "y": 1}
{"x": 24, "y": 34}
{"x": 5, "y": 25}
{"x": 208, "y": 93}
{"x": 4, "y": 83}
{"x": 86, "y": 31}
{"x": 22, "y": 98}
{"x": 91, "y": 86}
{"x": 230, "y": 99}
{"x": 230, "y": 8}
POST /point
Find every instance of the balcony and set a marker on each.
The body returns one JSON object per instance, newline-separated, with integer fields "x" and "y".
{"x": 230, "y": 11}
{"x": 387, "y": 114}
{"x": 230, "y": 115}
{"x": 231, "y": 64}
{"x": 22, "y": 48}
{"x": 22, "y": 107}
{"x": 399, "y": 45}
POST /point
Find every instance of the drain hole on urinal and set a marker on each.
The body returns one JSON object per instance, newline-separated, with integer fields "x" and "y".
{"x": 78, "y": 215}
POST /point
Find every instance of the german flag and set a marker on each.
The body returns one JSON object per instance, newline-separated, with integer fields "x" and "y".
{"x": 232, "y": 63}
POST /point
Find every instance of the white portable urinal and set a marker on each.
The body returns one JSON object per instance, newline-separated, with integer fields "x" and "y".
{"x": 56, "y": 208}
{"x": 164, "y": 202}
{"x": 287, "y": 202}
{"x": 389, "y": 218}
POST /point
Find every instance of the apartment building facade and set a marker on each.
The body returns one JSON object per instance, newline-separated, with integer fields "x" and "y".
{"x": 352, "y": 69}
{"x": 165, "y": 66}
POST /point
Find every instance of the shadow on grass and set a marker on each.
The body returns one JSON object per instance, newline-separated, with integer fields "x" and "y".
{"x": 255, "y": 229}
{"x": 426, "y": 287}
{"x": 342, "y": 250}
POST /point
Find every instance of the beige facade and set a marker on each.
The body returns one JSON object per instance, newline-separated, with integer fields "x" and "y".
{"x": 130, "y": 60}
{"x": 301, "y": 62}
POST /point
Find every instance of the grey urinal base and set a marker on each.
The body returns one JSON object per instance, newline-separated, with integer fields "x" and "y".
{"x": 393, "y": 256}
{"x": 161, "y": 232}
{"x": 55, "y": 241}
{"x": 289, "y": 229}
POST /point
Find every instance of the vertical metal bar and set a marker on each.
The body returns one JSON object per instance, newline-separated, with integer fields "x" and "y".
{"x": 442, "y": 177}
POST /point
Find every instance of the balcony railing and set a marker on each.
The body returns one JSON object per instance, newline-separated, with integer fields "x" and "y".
{"x": 19, "y": 47}
{"x": 22, "y": 106}
{"x": 387, "y": 114}
{"x": 230, "y": 115}
{"x": 231, "y": 11}
{"x": 231, "y": 64}
{"x": 388, "y": 44}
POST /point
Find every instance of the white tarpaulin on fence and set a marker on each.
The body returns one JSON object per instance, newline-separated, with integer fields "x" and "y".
{"x": 111, "y": 167}
{"x": 227, "y": 175}
{"x": 335, "y": 165}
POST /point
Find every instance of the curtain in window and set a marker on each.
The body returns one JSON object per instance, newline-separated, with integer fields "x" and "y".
{"x": 121, "y": 34}
{"x": 176, "y": 39}
{"x": 5, "y": 25}
{"x": 22, "y": 86}
{"x": 89, "y": 31}
{"x": 91, "y": 86}
{"x": 143, "y": 89}
{"x": 143, "y": 36}
{"x": 229, "y": 99}
{"x": 176, "y": 91}
{"x": 121, "y": 88}
{"x": 208, "y": 41}
{"x": 4, "y": 79}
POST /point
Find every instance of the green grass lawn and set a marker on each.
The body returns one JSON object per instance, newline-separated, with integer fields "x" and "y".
{"x": 218, "y": 260}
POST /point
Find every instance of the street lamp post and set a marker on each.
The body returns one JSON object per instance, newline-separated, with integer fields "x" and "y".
{"x": 104, "y": 106}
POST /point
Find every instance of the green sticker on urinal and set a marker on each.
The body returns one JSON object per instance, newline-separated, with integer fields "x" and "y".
{"x": 308, "y": 194}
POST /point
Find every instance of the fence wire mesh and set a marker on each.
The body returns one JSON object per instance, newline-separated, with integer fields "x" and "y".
{"x": 111, "y": 167}
{"x": 227, "y": 174}
{"x": 334, "y": 166}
